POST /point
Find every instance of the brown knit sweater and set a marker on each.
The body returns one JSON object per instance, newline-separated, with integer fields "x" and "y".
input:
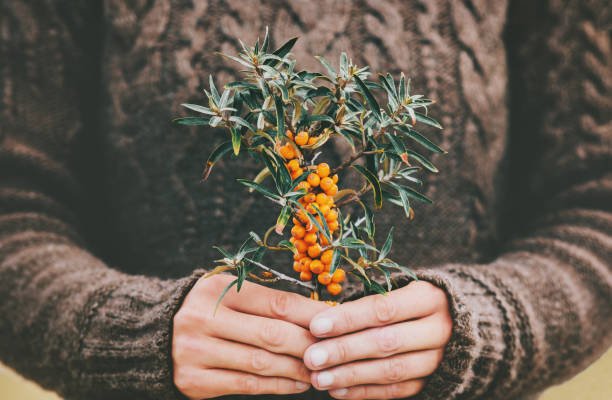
{"x": 103, "y": 221}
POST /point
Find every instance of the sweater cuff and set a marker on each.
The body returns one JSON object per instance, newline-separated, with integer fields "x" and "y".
{"x": 126, "y": 339}
{"x": 475, "y": 351}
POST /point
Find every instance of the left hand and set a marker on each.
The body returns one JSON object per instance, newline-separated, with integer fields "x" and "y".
{"x": 380, "y": 346}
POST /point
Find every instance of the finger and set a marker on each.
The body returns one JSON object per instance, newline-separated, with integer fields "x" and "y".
{"x": 392, "y": 391}
{"x": 388, "y": 370}
{"x": 218, "y": 353}
{"x": 422, "y": 334}
{"x": 274, "y": 335}
{"x": 417, "y": 300}
{"x": 260, "y": 300}
{"x": 207, "y": 383}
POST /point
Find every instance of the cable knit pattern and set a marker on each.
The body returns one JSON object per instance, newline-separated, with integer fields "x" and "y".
{"x": 103, "y": 221}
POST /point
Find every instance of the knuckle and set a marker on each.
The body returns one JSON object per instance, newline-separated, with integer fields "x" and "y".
{"x": 447, "y": 328}
{"x": 351, "y": 376}
{"x": 341, "y": 351}
{"x": 347, "y": 319}
{"x": 248, "y": 384}
{"x": 384, "y": 308}
{"x": 387, "y": 340}
{"x": 394, "y": 369}
{"x": 260, "y": 360}
{"x": 272, "y": 334}
{"x": 279, "y": 305}
{"x": 183, "y": 381}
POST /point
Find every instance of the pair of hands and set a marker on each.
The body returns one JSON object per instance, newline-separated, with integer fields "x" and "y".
{"x": 266, "y": 341}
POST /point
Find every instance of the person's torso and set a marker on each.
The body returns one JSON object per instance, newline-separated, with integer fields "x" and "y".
{"x": 159, "y": 53}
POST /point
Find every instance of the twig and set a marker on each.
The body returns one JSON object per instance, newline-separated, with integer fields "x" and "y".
{"x": 281, "y": 275}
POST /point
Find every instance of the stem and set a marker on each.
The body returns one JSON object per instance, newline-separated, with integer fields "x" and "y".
{"x": 354, "y": 158}
{"x": 281, "y": 275}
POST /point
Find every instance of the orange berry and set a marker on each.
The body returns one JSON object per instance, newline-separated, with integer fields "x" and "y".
{"x": 298, "y": 231}
{"x": 326, "y": 184}
{"x": 322, "y": 199}
{"x": 292, "y": 240}
{"x": 324, "y": 210}
{"x": 333, "y": 225}
{"x": 293, "y": 165}
{"x": 335, "y": 178}
{"x": 324, "y": 278}
{"x": 305, "y": 275}
{"x": 299, "y": 256}
{"x": 332, "y": 215}
{"x": 295, "y": 174}
{"x": 327, "y": 267}
{"x": 301, "y": 246}
{"x": 323, "y": 170}
{"x": 287, "y": 152}
{"x": 339, "y": 275}
{"x": 333, "y": 288}
{"x": 313, "y": 140}
{"x": 311, "y": 227}
{"x": 313, "y": 180}
{"x": 297, "y": 267}
{"x": 324, "y": 241}
{"x": 303, "y": 185}
{"x": 289, "y": 134}
{"x": 301, "y": 138}
{"x": 295, "y": 221}
{"x": 311, "y": 209}
{"x": 316, "y": 267}
{"x": 305, "y": 264}
{"x": 310, "y": 198}
{"x": 326, "y": 257}
{"x": 332, "y": 190}
{"x": 314, "y": 250}
{"x": 310, "y": 238}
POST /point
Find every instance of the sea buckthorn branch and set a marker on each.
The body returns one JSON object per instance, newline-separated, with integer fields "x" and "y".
{"x": 284, "y": 117}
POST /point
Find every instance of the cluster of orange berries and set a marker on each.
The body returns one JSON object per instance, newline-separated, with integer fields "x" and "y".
{"x": 312, "y": 261}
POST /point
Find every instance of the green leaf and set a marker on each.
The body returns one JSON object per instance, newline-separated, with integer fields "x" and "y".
{"x": 336, "y": 257}
{"x": 259, "y": 188}
{"x": 228, "y": 287}
{"x": 354, "y": 243}
{"x": 398, "y": 146}
{"x": 427, "y": 120}
{"x": 216, "y": 154}
{"x": 243, "y": 122}
{"x": 390, "y": 264}
{"x": 369, "y": 220}
{"x": 191, "y": 121}
{"x": 315, "y": 222}
{"x": 255, "y": 237}
{"x": 282, "y": 219}
{"x": 420, "y": 139}
{"x": 266, "y": 42}
{"x": 387, "y": 246}
{"x": 213, "y": 89}
{"x": 411, "y": 193}
{"x": 280, "y": 117}
{"x": 423, "y": 161}
{"x": 330, "y": 69}
{"x": 288, "y": 245}
{"x": 402, "y": 88}
{"x": 283, "y": 50}
{"x": 373, "y": 180}
{"x": 321, "y": 117}
{"x": 236, "y": 139}
{"x": 241, "y": 85}
{"x": 198, "y": 108}
{"x": 370, "y": 99}
{"x": 320, "y": 214}
{"x": 225, "y": 253}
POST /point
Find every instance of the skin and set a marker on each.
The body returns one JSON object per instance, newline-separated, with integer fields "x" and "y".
{"x": 380, "y": 347}
{"x": 253, "y": 345}
{"x": 259, "y": 342}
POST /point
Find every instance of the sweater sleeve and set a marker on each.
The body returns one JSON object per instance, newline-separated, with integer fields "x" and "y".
{"x": 542, "y": 310}
{"x": 67, "y": 320}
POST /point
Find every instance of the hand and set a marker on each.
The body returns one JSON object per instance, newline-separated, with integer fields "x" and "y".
{"x": 380, "y": 346}
{"x": 253, "y": 345}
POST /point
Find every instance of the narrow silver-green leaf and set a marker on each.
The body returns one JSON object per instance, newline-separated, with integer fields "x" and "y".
{"x": 373, "y": 180}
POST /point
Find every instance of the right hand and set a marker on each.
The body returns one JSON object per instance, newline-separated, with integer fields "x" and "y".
{"x": 253, "y": 345}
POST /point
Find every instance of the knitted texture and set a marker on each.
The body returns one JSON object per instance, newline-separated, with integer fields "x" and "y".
{"x": 103, "y": 221}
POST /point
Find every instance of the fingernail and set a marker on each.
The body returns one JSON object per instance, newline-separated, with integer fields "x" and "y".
{"x": 321, "y": 326}
{"x": 325, "y": 379}
{"x": 338, "y": 392}
{"x": 301, "y": 385}
{"x": 318, "y": 357}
